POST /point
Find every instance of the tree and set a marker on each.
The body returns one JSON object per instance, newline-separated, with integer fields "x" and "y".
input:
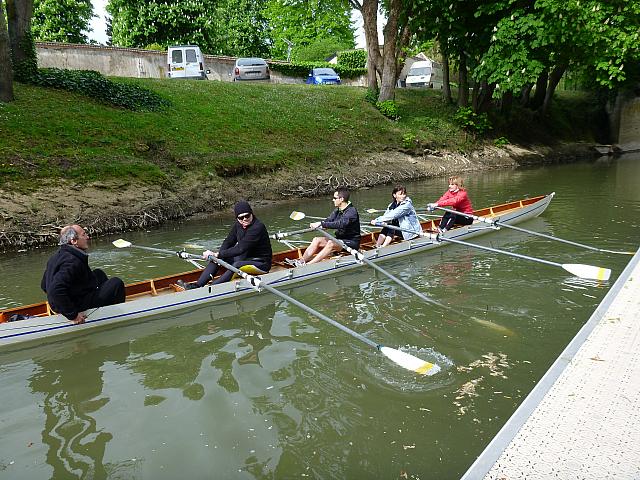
{"x": 319, "y": 50}
{"x": 61, "y": 20}
{"x": 23, "y": 49}
{"x": 6, "y": 70}
{"x": 369, "y": 11}
{"x": 240, "y": 29}
{"x": 136, "y": 23}
{"x": 304, "y": 22}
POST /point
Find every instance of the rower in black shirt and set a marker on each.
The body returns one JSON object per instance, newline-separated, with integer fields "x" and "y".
{"x": 344, "y": 219}
{"x": 247, "y": 244}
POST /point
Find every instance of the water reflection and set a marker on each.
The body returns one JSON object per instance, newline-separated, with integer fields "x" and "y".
{"x": 73, "y": 389}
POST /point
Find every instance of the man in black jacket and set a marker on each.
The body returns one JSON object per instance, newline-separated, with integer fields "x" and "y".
{"x": 345, "y": 220}
{"x": 247, "y": 244}
{"x": 71, "y": 286}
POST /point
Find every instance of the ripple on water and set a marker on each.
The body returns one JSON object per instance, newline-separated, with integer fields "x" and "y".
{"x": 390, "y": 374}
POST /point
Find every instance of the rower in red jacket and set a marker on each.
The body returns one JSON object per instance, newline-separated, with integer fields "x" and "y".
{"x": 455, "y": 197}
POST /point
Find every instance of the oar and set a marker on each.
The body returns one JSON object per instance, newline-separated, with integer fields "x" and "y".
{"x": 300, "y": 215}
{"x": 401, "y": 358}
{"x": 280, "y": 235}
{"x": 373, "y": 210}
{"x": 577, "y": 269}
{"x": 361, "y": 259}
{"x": 498, "y": 223}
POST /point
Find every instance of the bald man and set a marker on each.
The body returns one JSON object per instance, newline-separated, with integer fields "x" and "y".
{"x": 71, "y": 286}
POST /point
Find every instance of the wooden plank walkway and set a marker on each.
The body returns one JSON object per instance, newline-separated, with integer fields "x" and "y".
{"x": 582, "y": 420}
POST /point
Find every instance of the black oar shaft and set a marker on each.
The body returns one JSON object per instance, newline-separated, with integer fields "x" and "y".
{"x": 439, "y": 238}
{"x": 501, "y": 224}
{"x": 257, "y": 284}
{"x": 360, "y": 257}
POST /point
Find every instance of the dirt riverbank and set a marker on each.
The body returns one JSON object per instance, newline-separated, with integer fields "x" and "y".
{"x": 34, "y": 219}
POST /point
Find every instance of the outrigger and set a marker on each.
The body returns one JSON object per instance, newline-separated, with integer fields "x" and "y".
{"x": 158, "y": 296}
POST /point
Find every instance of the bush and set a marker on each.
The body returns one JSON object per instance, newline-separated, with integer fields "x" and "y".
{"x": 318, "y": 51}
{"x": 356, "y": 59}
{"x": 471, "y": 121}
{"x": 96, "y": 85}
{"x": 389, "y": 109}
{"x": 372, "y": 96}
{"x": 301, "y": 69}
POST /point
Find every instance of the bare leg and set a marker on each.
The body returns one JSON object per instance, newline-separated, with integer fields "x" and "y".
{"x": 317, "y": 244}
{"x": 325, "y": 252}
{"x": 381, "y": 239}
{"x": 387, "y": 240}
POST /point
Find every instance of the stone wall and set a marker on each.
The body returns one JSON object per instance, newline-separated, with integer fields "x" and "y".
{"x": 138, "y": 63}
{"x": 629, "y": 129}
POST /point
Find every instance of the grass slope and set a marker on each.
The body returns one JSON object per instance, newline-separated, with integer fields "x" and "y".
{"x": 224, "y": 129}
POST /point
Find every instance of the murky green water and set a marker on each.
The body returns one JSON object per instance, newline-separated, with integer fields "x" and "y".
{"x": 258, "y": 389}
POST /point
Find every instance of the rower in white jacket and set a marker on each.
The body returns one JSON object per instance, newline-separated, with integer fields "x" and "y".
{"x": 400, "y": 213}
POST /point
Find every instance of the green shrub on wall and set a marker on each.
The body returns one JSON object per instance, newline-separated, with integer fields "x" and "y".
{"x": 356, "y": 59}
{"x": 301, "y": 69}
{"x": 96, "y": 85}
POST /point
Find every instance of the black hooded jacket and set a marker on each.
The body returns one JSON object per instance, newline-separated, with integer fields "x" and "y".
{"x": 252, "y": 243}
{"x": 68, "y": 281}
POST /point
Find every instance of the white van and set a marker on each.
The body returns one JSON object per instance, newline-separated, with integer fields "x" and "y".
{"x": 426, "y": 74}
{"x": 185, "y": 61}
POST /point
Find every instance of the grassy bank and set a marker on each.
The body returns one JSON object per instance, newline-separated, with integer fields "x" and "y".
{"x": 227, "y": 129}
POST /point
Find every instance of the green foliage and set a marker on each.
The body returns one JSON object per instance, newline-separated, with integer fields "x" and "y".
{"x": 61, "y": 20}
{"x": 305, "y": 22}
{"x": 355, "y": 59}
{"x": 318, "y": 51}
{"x": 372, "y": 95}
{"x": 501, "y": 141}
{"x": 25, "y": 69}
{"x": 469, "y": 120}
{"x": 301, "y": 69}
{"x": 389, "y": 109}
{"x": 95, "y": 85}
{"x": 155, "y": 46}
{"x": 409, "y": 140}
{"x": 223, "y": 27}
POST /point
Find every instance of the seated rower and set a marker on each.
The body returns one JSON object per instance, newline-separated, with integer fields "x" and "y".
{"x": 399, "y": 213}
{"x": 246, "y": 244}
{"x": 71, "y": 286}
{"x": 455, "y": 197}
{"x": 344, "y": 219}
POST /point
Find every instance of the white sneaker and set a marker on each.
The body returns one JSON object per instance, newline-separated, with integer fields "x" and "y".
{"x": 295, "y": 262}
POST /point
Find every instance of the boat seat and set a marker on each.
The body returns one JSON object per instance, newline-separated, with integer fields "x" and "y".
{"x": 250, "y": 269}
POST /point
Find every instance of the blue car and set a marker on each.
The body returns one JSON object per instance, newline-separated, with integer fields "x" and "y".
{"x": 323, "y": 76}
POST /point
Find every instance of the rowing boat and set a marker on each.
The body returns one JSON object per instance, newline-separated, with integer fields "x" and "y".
{"x": 158, "y": 296}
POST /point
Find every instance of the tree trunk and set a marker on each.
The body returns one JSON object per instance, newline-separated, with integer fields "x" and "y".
{"x": 369, "y": 11}
{"x": 23, "y": 50}
{"x": 485, "y": 97}
{"x": 463, "y": 82}
{"x": 446, "y": 87}
{"x": 390, "y": 64}
{"x": 541, "y": 91}
{"x": 525, "y": 96}
{"x": 554, "y": 79}
{"x": 6, "y": 70}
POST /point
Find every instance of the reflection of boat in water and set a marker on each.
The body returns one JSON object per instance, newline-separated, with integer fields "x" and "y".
{"x": 162, "y": 295}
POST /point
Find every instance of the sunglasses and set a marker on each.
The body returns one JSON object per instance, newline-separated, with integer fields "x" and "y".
{"x": 243, "y": 216}
{"x": 336, "y": 198}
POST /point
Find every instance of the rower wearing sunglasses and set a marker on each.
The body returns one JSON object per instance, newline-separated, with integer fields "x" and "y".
{"x": 247, "y": 244}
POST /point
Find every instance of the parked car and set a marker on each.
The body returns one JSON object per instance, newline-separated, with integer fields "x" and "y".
{"x": 251, "y": 69}
{"x": 323, "y": 76}
{"x": 185, "y": 61}
{"x": 425, "y": 74}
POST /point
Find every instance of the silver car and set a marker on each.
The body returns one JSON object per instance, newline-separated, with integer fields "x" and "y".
{"x": 251, "y": 69}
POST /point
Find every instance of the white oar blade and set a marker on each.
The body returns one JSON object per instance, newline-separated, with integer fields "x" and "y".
{"x": 410, "y": 362}
{"x": 371, "y": 210}
{"x": 121, "y": 243}
{"x": 587, "y": 271}
{"x": 297, "y": 215}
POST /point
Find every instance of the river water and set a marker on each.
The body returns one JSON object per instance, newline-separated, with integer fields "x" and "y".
{"x": 259, "y": 389}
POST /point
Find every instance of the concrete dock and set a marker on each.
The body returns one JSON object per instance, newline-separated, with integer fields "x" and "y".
{"x": 582, "y": 420}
